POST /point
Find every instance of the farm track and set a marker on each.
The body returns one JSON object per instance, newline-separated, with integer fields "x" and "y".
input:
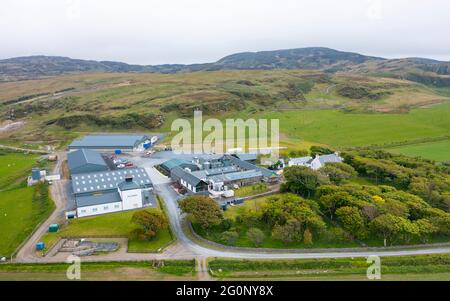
{"x": 36, "y": 151}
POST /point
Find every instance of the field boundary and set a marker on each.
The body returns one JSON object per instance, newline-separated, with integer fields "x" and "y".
{"x": 406, "y": 143}
{"x": 34, "y": 230}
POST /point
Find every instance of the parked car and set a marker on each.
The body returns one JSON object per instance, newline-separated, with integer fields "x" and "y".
{"x": 129, "y": 164}
{"x": 121, "y": 166}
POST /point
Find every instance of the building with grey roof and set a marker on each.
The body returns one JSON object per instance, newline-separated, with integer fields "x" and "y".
{"x": 241, "y": 178}
{"x": 97, "y": 199}
{"x": 211, "y": 161}
{"x": 320, "y": 161}
{"x": 267, "y": 175}
{"x": 170, "y": 164}
{"x": 303, "y": 161}
{"x": 205, "y": 173}
{"x": 249, "y": 157}
{"x": 188, "y": 180}
{"x": 228, "y": 170}
{"x": 108, "y": 180}
{"x": 84, "y": 161}
{"x": 123, "y": 142}
{"x": 317, "y": 162}
{"x": 111, "y": 191}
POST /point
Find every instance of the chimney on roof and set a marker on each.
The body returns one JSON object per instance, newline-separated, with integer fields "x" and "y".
{"x": 128, "y": 178}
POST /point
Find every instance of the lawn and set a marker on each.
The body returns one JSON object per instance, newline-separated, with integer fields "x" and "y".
{"x": 251, "y": 190}
{"x": 250, "y": 205}
{"x": 438, "y": 151}
{"x": 341, "y": 129}
{"x": 163, "y": 239}
{"x": 21, "y": 210}
{"x": 14, "y": 167}
{"x": 108, "y": 225}
{"x": 333, "y": 268}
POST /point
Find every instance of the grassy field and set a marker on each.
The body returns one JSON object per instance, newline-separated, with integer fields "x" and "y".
{"x": 109, "y": 225}
{"x": 340, "y": 129}
{"x": 163, "y": 239}
{"x": 251, "y": 190}
{"x": 14, "y": 167}
{"x": 433, "y": 267}
{"x": 438, "y": 151}
{"x": 139, "y": 270}
{"x": 21, "y": 210}
{"x": 250, "y": 205}
{"x": 174, "y": 95}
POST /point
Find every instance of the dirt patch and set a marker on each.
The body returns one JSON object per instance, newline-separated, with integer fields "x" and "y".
{"x": 123, "y": 84}
{"x": 9, "y": 126}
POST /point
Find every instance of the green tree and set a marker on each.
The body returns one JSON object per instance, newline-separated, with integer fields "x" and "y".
{"x": 302, "y": 180}
{"x": 425, "y": 229}
{"x": 389, "y": 227}
{"x": 288, "y": 233}
{"x": 149, "y": 222}
{"x": 291, "y": 208}
{"x": 331, "y": 202}
{"x": 256, "y": 236}
{"x": 229, "y": 237}
{"x": 320, "y": 150}
{"x": 338, "y": 172}
{"x": 351, "y": 220}
{"x": 307, "y": 237}
{"x": 202, "y": 210}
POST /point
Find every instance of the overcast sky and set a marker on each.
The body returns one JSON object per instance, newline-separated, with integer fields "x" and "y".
{"x": 197, "y": 31}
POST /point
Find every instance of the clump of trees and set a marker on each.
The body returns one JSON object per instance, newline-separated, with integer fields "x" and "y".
{"x": 256, "y": 236}
{"x": 418, "y": 176}
{"x": 149, "y": 222}
{"x": 302, "y": 180}
{"x": 393, "y": 215}
{"x": 338, "y": 172}
{"x": 305, "y": 181}
{"x": 202, "y": 210}
{"x": 406, "y": 203}
{"x": 320, "y": 150}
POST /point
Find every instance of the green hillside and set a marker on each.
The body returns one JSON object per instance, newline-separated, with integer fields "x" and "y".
{"x": 58, "y": 109}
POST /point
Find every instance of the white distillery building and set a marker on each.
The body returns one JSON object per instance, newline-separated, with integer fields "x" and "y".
{"x": 112, "y": 191}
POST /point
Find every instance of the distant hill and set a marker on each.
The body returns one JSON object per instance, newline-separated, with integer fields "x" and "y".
{"x": 425, "y": 71}
{"x": 313, "y": 58}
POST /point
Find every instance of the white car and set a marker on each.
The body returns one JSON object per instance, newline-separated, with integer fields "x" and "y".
{"x": 121, "y": 166}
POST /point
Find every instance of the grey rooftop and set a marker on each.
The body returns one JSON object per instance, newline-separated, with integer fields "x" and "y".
{"x": 108, "y": 180}
{"x": 108, "y": 141}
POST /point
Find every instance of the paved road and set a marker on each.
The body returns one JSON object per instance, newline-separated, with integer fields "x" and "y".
{"x": 59, "y": 195}
{"x": 37, "y": 151}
